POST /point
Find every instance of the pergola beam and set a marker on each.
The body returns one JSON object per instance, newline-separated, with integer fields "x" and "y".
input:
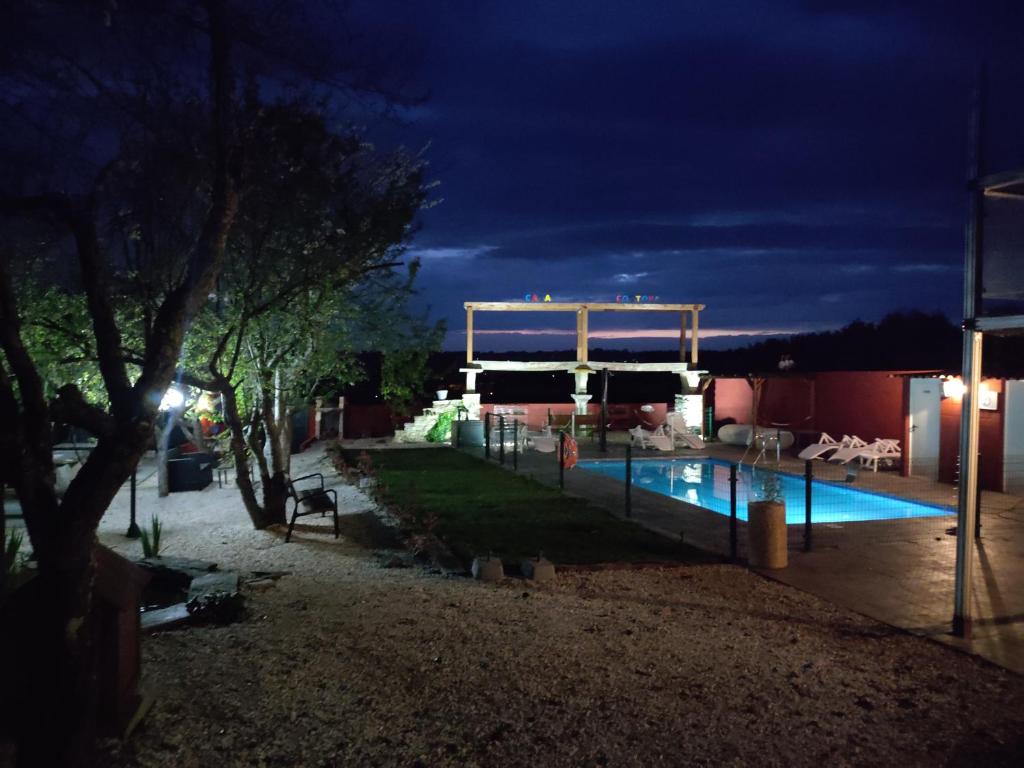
{"x": 561, "y": 306}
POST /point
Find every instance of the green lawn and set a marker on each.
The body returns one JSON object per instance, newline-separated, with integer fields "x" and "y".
{"x": 482, "y": 508}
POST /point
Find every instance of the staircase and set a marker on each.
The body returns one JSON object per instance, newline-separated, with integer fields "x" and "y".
{"x": 415, "y": 431}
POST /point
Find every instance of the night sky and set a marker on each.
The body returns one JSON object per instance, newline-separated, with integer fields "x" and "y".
{"x": 792, "y": 165}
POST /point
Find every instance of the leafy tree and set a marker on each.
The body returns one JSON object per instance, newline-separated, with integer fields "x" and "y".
{"x": 126, "y": 160}
{"x": 325, "y": 217}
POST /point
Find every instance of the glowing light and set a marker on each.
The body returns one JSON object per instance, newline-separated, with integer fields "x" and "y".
{"x": 173, "y": 398}
{"x": 953, "y": 387}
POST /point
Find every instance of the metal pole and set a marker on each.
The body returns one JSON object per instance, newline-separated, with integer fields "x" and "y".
{"x": 732, "y": 512}
{"x": 133, "y": 528}
{"x": 629, "y": 481}
{"x": 501, "y": 440}
{"x": 972, "y": 344}
{"x": 968, "y": 497}
{"x": 604, "y": 410}
{"x": 808, "y": 478}
{"x": 487, "y": 435}
{"x": 515, "y": 445}
{"x": 561, "y": 460}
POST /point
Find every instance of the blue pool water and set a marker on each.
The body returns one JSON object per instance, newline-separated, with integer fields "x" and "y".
{"x": 705, "y": 483}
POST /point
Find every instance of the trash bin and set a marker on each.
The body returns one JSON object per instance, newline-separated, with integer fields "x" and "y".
{"x": 766, "y": 534}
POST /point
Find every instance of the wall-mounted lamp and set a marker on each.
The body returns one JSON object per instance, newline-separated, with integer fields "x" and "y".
{"x": 953, "y": 387}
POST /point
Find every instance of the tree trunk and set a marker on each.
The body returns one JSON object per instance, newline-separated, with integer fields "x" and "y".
{"x": 63, "y": 698}
{"x": 261, "y": 516}
{"x": 163, "y": 439}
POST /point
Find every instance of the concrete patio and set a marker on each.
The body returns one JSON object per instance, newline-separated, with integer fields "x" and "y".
{"x": 897, "y": 571}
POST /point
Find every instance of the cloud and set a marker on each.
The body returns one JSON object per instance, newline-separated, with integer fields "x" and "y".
{"x": 628, "y": 278}
{"x": 927, "y": 268}
{"x": 465, "y": 252}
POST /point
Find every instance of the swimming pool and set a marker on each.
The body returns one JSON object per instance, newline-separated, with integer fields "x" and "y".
{"x": 705, "y": 483}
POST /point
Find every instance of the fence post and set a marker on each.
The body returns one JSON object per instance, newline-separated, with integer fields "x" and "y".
{"x": 515, "y": 445}
{"x": 732, "y": 512}
{"x": 561, "y": 460}
{"x": 501, "y": 440}
{"x": 487, "y": 435}
{"x": 629, "y": 481}
{"x": 808, "y": 479}
{"x": 133, "y": 527}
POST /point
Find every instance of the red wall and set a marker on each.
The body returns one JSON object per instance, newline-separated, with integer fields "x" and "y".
{"x": 733, "y": 400}
{"x": 990, "y": 441}
{"x": 868, "y": 404}
{"x": 537, "y": 413}
{"x": 368, "y": 421}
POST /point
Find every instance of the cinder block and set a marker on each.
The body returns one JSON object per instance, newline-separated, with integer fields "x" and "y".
{"x": 488, "y": 569}
{"x": 538, "y": 569}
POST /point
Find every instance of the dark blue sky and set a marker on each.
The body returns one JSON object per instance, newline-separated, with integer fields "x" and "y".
{"x": 792, "y": 165}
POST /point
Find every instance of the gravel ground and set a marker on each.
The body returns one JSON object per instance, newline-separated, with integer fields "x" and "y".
{"x": 344, "y": 662}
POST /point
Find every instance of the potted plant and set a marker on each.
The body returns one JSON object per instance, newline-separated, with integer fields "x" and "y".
{"x": 766, "y": 523}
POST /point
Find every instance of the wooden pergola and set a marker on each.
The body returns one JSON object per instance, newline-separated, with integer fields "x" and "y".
{"x": 583, "y": 310}
{"x": 689, "y": 323}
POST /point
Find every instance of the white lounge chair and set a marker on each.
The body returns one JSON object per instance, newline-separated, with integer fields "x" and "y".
{"x": 868, "y": 455}
{"x": 681, "y": 434}
{"x": 848, "y": 449}
{"x": 656, "y": 439}
{"x": 544, "y": 441}
{"x": 885, "y": 449}
{"x": 826, "y": 444}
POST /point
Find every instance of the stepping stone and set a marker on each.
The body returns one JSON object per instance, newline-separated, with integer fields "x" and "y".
{"x": 215, "y": 597}
{"x": 175, "y": 572}
{"x": 538, "y": 569}
{"x": 488, "y": 569}
{"x": 165, "y": 618}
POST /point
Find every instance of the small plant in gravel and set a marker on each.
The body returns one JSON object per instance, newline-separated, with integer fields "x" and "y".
{"x": 11, "y": 554}
{"x": 150, "y": 538}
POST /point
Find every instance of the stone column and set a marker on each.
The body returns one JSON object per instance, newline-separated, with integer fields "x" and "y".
{"x": 581, "y": 399}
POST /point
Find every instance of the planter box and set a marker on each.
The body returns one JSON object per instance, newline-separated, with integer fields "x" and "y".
{"x": 766, "y": 534}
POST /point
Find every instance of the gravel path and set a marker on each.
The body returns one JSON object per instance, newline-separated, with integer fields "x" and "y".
{"x": 343, "y": 662}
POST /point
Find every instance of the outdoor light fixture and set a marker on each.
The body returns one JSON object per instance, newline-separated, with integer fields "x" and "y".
{"x": 953, "y": 387}
{"x": 173, "y": 398}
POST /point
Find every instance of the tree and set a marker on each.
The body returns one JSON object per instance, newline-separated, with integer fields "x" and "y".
{"x": 125, "y": 154}
{"x": 62, "y": 529}
{"x": 325, "y": 217}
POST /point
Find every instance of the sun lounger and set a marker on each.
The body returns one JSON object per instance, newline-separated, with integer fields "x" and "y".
{"x": 826, "y": 444}
{"x": 656, "y": 439}
{"x": 885, "y": 450}
{"x": 544, "y": 442}
{"x": 681, "y": 434}
{"x": 868, "y": 455}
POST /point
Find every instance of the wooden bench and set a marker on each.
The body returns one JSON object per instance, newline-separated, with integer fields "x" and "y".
{"x": 311, "y": 501}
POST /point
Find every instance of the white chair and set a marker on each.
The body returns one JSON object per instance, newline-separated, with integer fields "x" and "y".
{"x": 869, "y": 455}
{"x": 656, "y": 439}
{"x": 848, "y": 450}
{"x": 884, "y": 449}
{"x": 681, "y": 434}
{"x": 544, "y": 441}
{"x": 826, "y": 444}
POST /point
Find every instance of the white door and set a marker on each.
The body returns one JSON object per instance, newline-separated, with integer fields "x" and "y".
{"x": 923, "y": 454}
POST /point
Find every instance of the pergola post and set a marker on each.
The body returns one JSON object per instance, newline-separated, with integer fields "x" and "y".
{"x": 581, "y": 335}
{"x": 469, "y": 336}
{"x": 693, "y": 338}
{"x": 682, "y": 337}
